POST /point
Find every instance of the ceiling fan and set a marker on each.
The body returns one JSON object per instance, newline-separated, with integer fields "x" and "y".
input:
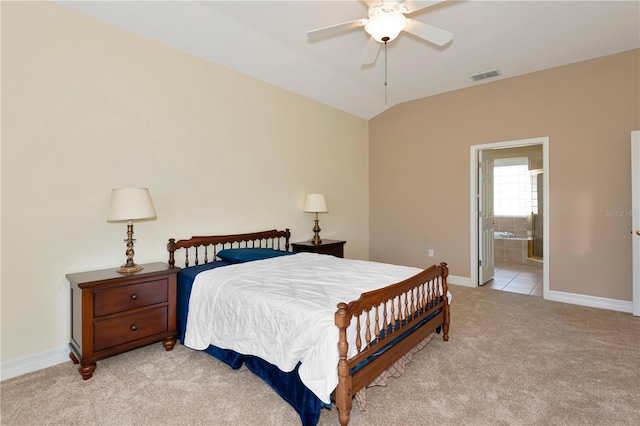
{"x": 386, "y": 20}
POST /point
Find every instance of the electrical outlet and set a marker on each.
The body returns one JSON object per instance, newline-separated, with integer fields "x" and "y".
{"x": 430, "y": 252}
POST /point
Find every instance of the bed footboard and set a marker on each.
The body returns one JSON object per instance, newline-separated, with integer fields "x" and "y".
{"x": 383, "y": 325}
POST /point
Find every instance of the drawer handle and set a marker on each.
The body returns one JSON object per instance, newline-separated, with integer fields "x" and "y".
{"x": 134, "y": 327}
{"x": 134, "y": 296}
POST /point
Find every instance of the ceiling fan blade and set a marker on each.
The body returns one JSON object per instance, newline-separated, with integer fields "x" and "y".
{"x": 414, "y": 6}
{"x": 370, "y": 52}
{"x": 334, "y": 29}
{"x": 428, "y": 32}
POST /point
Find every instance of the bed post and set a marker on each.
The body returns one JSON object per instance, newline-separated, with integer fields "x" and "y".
{"x": 286, "y": 240}
{"x": 343, "y": 390}
{"x": 171, "y": 246}
{"x": 445, "y": 323}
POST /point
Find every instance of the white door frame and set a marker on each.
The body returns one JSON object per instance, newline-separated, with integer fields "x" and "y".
{"x": 635, "y": 219}
{"x": 475, "y": 149}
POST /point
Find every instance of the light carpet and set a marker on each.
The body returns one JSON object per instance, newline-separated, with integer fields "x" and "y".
{"x": 511, "y": 359}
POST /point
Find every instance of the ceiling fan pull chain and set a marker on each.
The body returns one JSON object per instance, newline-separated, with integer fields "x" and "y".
{"x": 385, "y": 39}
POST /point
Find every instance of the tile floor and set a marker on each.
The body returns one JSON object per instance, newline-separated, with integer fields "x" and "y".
{"x": 517, "y": 278}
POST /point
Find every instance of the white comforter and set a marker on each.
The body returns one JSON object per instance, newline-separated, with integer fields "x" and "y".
{"x": 282, "y": 310}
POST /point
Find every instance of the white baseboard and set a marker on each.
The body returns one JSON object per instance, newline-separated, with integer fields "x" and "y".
{"x": 561, "y": 296}
{"x": 31, "y": 363}
{"x": 454, "y": 279}
{"x": 591, "y": 301}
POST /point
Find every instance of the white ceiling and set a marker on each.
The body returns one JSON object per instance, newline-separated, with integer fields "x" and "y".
{"x": 267, "y": 40}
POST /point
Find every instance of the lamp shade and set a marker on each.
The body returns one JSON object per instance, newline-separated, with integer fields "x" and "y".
{"x": 315, "y": 203}
{"x": 387, "y": 24}
{"x": 130, "y": 204}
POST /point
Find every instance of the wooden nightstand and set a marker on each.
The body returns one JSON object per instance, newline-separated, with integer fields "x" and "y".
{"x": 112, "y": 313}
{"x": 332, "y": 247}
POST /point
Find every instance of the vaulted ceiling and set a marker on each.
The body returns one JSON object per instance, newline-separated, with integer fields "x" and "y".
{"x": 267, "y": 40}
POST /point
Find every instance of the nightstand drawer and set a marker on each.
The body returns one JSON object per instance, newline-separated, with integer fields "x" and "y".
{"x": 127, "y": 328}
{"x": 123, "y": 298}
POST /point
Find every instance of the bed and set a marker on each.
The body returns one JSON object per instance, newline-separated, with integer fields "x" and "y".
{"x": 347, "y": 344}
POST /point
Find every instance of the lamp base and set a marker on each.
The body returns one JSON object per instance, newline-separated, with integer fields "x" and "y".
{"x": 316, "y": 233}
{"x": 124, "y": 269}
{"x": 130, "y": 266}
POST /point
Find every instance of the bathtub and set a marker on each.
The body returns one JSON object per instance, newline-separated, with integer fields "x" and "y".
{"x": 511, "y": 249}
{"x": 503, "y": 235}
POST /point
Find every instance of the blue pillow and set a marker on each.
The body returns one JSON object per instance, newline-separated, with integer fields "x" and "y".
{"x": 240, "y": 255}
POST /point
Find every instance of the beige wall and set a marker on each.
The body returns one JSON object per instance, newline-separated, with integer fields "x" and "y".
{"x": 532, "y": 152}
{"x": 87, "y": 108}
{"x": 419, "y": 169}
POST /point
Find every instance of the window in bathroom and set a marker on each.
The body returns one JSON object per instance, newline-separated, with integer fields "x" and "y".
{"x": 511, "y": 187}
{"x": 535, "y": 175}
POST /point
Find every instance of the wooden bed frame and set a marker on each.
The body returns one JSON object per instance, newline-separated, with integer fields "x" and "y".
{"x": 404, "y": 313}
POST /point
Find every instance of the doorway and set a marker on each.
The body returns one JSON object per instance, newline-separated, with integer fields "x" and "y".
{"x": 485, "y": 257}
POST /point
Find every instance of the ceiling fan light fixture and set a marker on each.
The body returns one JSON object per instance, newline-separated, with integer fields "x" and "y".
{"x": 385, "y": 25}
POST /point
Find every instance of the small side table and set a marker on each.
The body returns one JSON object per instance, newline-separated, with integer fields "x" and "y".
{"x": 332, "y": 247}
{"x": 112, "y": 313}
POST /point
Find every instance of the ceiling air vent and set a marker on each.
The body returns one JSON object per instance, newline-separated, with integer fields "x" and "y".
{"x": 485, "y": 75}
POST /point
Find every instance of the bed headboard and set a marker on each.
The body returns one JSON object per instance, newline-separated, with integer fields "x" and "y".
{"x": 210, "y": 245}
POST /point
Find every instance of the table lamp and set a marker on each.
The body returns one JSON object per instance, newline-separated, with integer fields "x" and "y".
{"x": 127, "y": 205}
{"x": 316, "y": 203}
